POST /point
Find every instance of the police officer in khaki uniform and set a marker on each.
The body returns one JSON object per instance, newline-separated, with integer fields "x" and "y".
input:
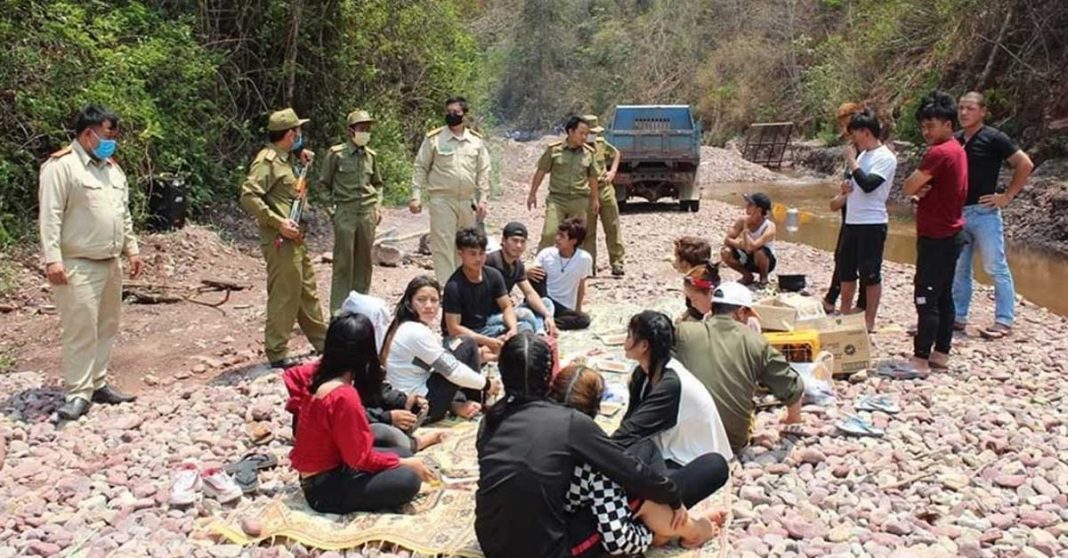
{"x": 609, "y": 214}
{"x": 350, "y": 174}
{"x": 85, "y": 226}
{"x": 453, "y": 165}
{"x": 572, "y": 182}
{"x": 268, "y": 194}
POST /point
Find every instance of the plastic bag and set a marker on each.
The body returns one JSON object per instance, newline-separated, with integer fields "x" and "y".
{"x": 816, "y": 376}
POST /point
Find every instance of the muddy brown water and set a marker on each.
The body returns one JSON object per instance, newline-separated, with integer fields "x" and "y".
{"x": 1038, "y": 274}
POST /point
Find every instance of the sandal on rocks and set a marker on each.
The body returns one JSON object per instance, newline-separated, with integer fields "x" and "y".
{"x": 856, "y": 426}
{"x": 899, "y": 370}
{"x": 996, "y": 331}
{"x": 255, "y": 461}
{"x": 879, "y": 403}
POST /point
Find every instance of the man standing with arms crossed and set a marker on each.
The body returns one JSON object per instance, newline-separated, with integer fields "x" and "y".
{"x": 268, "y": 194}
{"x": 85, "y": 225}
{"x": 453, "y": 165}
{"x": 986, "y": 147}
{"x": 351, "y": 176}
{"x": 607, "y": 157}
{"x": 572, "y": 182}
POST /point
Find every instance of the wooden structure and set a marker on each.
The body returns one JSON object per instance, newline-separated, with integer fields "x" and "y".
{"x": 766, "y": 142}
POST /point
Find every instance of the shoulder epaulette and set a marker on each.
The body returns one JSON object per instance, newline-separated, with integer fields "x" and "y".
{"x": 61, "y": 152}
{"x": 589, "y": 148}
{"x": 337, "y": 148}
{"x": 370, "y": 151}
{"x": 556, "y": 143}
{"x": 475, "y": 133}
{"x": 434, "y": 132}
{"x": 269, "y": 154}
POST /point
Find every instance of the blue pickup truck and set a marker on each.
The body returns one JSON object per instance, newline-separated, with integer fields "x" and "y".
{"x": 661, "y": 147}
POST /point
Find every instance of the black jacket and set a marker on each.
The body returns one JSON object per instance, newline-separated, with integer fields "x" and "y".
{"x": 526, "y": 463}
{"x": 391, "y": 400}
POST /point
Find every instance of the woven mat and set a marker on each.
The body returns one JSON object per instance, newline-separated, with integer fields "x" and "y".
{"x": 440, "y": 521}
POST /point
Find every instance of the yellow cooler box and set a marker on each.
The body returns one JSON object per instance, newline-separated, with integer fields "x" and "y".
{"x": 796, "y": 346}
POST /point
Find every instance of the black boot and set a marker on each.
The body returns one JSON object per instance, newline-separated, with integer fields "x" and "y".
{"x": 73, "y": 409}
{"x": 111, "y": 396}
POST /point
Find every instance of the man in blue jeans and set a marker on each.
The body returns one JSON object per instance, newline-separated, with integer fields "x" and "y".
{"x": 986, "y": 148}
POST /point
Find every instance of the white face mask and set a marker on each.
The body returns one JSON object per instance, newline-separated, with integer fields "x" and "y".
{"x": 591, "y": 138}
{"x": 361, "y": 138}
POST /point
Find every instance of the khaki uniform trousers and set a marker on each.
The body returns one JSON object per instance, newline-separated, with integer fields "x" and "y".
{"x": 560, "y": 208}
{"x": 447, "y": 215}
{"x": 613, "y": 234}
{"x": 354, "y": 236}
{"x": 89, "y": 306}
{"x": 291, "y": 296}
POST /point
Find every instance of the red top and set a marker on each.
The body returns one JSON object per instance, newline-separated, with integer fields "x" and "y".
{"x": 298, "y": 379}
{"x": 334, "y": 431}
{"x": 939, "y": 213}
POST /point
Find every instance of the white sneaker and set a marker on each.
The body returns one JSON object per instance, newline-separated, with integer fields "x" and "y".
{"x": 219, "y": 485}
{"x": 186, "y": 485}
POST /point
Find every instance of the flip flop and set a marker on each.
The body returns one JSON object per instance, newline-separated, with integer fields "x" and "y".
{"x": 880, "y": 403}
{"x": 246, "y": 475}
{"x": 856, "y": 426}
{"x": 996, "y": 331}
{"x": 899, "y": 371}
{"x": 254, "y": 461}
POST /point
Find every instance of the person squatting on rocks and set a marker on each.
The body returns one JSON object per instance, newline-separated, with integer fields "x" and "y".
{"x": 941, "y": 184}
{"x": 453, "y": 166}
{"x": 268, "y": 194}
{"x": 548, "y": 474}
{"x": 986, "y": 148}
{"x": 559, "y": 274}
{"x": 85, "y": 226}
{"x": 341, "y": 470}
{"x": 747, "y": 248}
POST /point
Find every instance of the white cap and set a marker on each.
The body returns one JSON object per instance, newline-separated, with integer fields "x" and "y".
{"x": 735, "y": 294}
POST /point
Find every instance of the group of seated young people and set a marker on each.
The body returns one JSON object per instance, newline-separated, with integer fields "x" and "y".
{"x": 552, "y": 482}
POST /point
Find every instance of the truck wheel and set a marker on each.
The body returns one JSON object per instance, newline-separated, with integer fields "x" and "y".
{"x": 695, "y": 205}
{"x": 621, "y": 203}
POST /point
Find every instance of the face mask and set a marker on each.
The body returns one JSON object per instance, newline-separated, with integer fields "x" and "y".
{"x": 104, "y": 148}
{"x": 361, "y": 138}
{"x": 591, "y": 138}
{"x": 298, "y": 143}
{"x": 453, "y": 119}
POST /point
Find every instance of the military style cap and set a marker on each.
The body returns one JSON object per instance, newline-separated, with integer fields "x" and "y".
{"x": 359, "y": 115}
{"x": 592, "y": 119}
{"x": 284, "y": 120}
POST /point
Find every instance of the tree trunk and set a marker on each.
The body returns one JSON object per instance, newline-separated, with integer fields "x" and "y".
{"x": 291, "y": 52}
{"x": 984, "y": 78}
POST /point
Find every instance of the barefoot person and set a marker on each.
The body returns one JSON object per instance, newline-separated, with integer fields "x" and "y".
{"x": 85, "y": 227}
{"x": 417, "y": 362}
{"x": 531, "y": 457}
{"x": 871, "y": 173}
{"x": 941, "y": 184}
{"x": 747, "y": 247}
{"x": 333, "y": 447}
{"x": 987, "y": 148}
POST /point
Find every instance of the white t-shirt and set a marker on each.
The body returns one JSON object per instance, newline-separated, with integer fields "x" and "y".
{"x": 375, "y": 310}
{"x": 415, "y": 352}
{"x": 869, "y": 208}
{"x": 563, "y": 275}
{"x": 699, "y": 429}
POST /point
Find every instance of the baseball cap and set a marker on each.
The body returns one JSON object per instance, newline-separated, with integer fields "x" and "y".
{"x": 357, "y": 116}
{"x": 733, "y": 293}
{"x": 515, "y": 228}
{"x": 284, "y": 119}
{"x": 759, "y": 199}
{"x": 593, "y": 121}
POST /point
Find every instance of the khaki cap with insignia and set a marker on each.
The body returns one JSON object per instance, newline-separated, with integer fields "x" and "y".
{"x": 592, "y": 120}
{"x": 284, "y": 119}
{"x": 359, "y": 115}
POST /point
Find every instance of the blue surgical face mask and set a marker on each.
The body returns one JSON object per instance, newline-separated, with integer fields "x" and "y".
{"x": 298, "y": 143}
{"x": 105, "y": 148}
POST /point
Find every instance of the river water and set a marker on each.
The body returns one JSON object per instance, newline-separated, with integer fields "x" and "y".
{"x": 1038, "y": 274}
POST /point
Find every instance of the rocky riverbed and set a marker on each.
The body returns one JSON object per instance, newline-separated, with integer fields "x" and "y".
{"x": 975, "y": 464}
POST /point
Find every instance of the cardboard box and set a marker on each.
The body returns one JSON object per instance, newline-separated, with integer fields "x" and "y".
{"x": 845, "y": 337}
{"x": 774, "y": 317}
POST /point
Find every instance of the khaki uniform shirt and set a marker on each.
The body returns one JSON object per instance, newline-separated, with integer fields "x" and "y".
{"x": 84, "y": 208}
{"x": 452, "y": 166}
{"x": 350, "y": 174}
{"x": 569, "y": 169}
{"x": 730, "y": 359}
{"x": 270, "y": 189}
{"x": 604, "y": 154}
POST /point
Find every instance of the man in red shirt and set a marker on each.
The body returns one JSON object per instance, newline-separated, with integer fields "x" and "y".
{"x": 941, "y": 184}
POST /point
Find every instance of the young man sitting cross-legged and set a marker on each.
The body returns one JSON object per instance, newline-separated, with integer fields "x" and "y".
{"x": 559, "y": 274}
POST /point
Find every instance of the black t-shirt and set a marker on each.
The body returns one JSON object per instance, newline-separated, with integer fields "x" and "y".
{"x": 474, "y": 302}
{"x": 512, "y": 276}
{"x": 986, "y": 151}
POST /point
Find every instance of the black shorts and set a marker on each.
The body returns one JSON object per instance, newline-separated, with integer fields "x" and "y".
{"x": 749, "y": 262}
{"x": 861, "y": 253}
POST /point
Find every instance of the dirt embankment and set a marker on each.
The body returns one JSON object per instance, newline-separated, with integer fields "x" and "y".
{"x": 1037, "y": 217}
